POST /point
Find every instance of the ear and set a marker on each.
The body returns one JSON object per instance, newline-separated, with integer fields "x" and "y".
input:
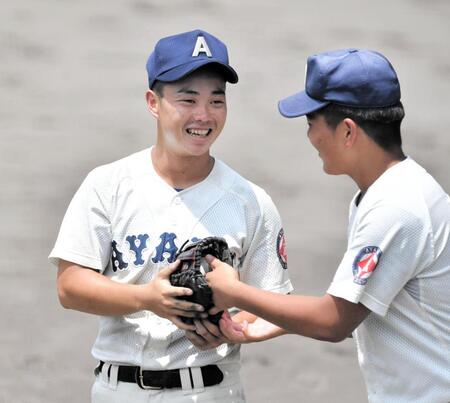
{"x": 350, "y": 132}
{"x": 153, "y": 101}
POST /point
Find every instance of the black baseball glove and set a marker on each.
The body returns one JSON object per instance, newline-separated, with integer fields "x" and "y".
{"x": 192, "y": 269}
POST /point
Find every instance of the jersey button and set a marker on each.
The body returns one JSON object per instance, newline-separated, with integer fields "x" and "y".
{"x": 177, "y": 201}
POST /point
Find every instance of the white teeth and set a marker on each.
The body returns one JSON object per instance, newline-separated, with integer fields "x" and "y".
{"x": 199, "y": 132}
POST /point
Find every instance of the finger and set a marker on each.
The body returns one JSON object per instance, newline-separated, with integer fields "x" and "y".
{"x": 212, "y": 261}
{"x": 180, "y": 324}
{"x": 231, "y": 333}
{"x": 231, "y": 323}
{"x": 188, "y": 314}
{"x": 226, "y": 314}
{"x": 212, "y": 328}
{"x": 187, "y": 306}
{"x": 192, "y": 336}
{"x": 229, "y": 327}
{"x": 178, "y": 291}
{"x": 214, "y": 310}
{"x": 197, "y": 340}
{"x": 201, "y": 330}
{"x": 167, "y": 271}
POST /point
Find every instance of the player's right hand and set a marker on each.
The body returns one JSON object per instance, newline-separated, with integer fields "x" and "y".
{"x": 206, "y": 336}
{"x": 160, "y": 297}
{"x": 222, "y": 280}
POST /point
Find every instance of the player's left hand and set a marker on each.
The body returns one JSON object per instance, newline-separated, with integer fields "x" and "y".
{"x": 248, "y": 332}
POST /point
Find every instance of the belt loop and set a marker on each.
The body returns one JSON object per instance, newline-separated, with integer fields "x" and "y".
{"x": 197, "y": 379}
{"x": 113, "y": 373}
{"x": 185, "y": 378}
{"x": 104, "y": 377}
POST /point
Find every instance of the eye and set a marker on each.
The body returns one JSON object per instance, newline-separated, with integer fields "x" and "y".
{"x": 187, "y": 101}
{"x": 218, "y": 102}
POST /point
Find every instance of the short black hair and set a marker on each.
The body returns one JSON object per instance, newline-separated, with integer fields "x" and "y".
{"x": 211, "y": 69}
{"x": 381, "y": 124}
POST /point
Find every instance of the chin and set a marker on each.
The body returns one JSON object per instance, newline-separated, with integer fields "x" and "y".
{"x": 197, "y": 151}
{"x": 330, "y": 170}
{"x": 199, "y": 148}
{"x": 333, "y": 171}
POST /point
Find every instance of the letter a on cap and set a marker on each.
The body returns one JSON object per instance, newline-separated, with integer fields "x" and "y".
{"x": 201, "y": 46}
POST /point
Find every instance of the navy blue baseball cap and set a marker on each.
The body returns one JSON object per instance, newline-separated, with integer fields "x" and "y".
{"x": 176, "y": 56}
{"x": 351, "y": 77}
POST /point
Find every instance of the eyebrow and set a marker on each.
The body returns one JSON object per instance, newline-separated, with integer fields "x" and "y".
{"x": 218, "y": 91}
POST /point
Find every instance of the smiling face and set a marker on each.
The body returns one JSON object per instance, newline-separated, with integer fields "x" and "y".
{"x": 191, "y": 113}
{"x": 328, "y": 143}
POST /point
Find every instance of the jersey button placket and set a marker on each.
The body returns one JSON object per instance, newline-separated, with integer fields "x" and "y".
{"x": 176, "y": 208}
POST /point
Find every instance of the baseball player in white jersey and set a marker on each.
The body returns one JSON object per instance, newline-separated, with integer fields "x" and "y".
{"x": 129, "y": 218}
{"x": 391, "y": 289}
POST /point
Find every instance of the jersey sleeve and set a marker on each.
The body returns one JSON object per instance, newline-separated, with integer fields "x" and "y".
{"x": 265, "y": 263}
{"x": 389, "y": 246}
{"x": 85, "y": 234}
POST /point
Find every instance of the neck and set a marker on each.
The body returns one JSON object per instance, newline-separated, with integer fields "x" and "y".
{"x": 368, "y": 170}
{"x": 180, "y": 171}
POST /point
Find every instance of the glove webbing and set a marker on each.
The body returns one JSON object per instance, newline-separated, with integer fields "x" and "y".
{"x": 190, "y": 275}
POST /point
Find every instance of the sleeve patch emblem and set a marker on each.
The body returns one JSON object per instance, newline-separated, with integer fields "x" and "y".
{"x": 365, "y": 263}
{"x": 281, "y": 249}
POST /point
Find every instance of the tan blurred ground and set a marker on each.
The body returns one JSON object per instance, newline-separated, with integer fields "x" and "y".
{"x": 72, "y": 83}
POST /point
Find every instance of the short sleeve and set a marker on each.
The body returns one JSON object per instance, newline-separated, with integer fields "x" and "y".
{"x": 265, "y": 263}
{"x": 85, "y": 234}
{"x": 388, "y": 247}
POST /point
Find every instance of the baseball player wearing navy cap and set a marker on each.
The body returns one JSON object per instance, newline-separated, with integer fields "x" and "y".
{"x": 391, "y": 289}
{"x": 121, "y": 232}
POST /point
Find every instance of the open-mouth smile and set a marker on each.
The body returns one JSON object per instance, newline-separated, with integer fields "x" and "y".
{"x": 199, "y": 132}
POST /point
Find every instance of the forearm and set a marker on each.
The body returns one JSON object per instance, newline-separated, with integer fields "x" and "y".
{"x": 315, "y": 317}
{"x": 85, "y": 290}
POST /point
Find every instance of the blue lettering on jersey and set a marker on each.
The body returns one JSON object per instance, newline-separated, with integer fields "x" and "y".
{"x": 167, "y": 245}
{"x": 137, "y": 249}
{"x": 116, "y": 258}
{"x": 166, "y": 250}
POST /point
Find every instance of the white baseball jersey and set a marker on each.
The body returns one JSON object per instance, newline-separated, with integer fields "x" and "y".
{"x": 128, "y": 223}
{"x": 398, "y": 265}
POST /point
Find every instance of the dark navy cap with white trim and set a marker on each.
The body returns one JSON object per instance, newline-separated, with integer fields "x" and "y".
{"x": 176, "y": 56}
{"x": 352, "y": 77}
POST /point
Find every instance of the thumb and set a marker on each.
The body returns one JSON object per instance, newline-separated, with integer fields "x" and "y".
{"x": 226, "y": 315}
{"x": 227, "y": 320}
{"x": 212, "y": 261}
{"x": 167, "y": 271}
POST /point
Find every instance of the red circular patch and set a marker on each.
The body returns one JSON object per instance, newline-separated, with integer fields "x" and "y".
{"x": 281, "y": 249}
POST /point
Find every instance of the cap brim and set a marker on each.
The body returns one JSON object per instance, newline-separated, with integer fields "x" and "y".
{"x": 299, "y": 104}
{"x": 181, "y": 71}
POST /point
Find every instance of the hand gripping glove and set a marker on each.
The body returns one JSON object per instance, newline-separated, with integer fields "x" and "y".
{"x": 192, "y": 269}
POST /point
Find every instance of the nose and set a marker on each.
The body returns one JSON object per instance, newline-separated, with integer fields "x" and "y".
{"x": 201, "y": 113}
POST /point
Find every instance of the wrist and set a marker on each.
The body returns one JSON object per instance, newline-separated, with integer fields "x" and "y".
{"x": 231, "y": 293}
{"x": 141, "y": 297}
